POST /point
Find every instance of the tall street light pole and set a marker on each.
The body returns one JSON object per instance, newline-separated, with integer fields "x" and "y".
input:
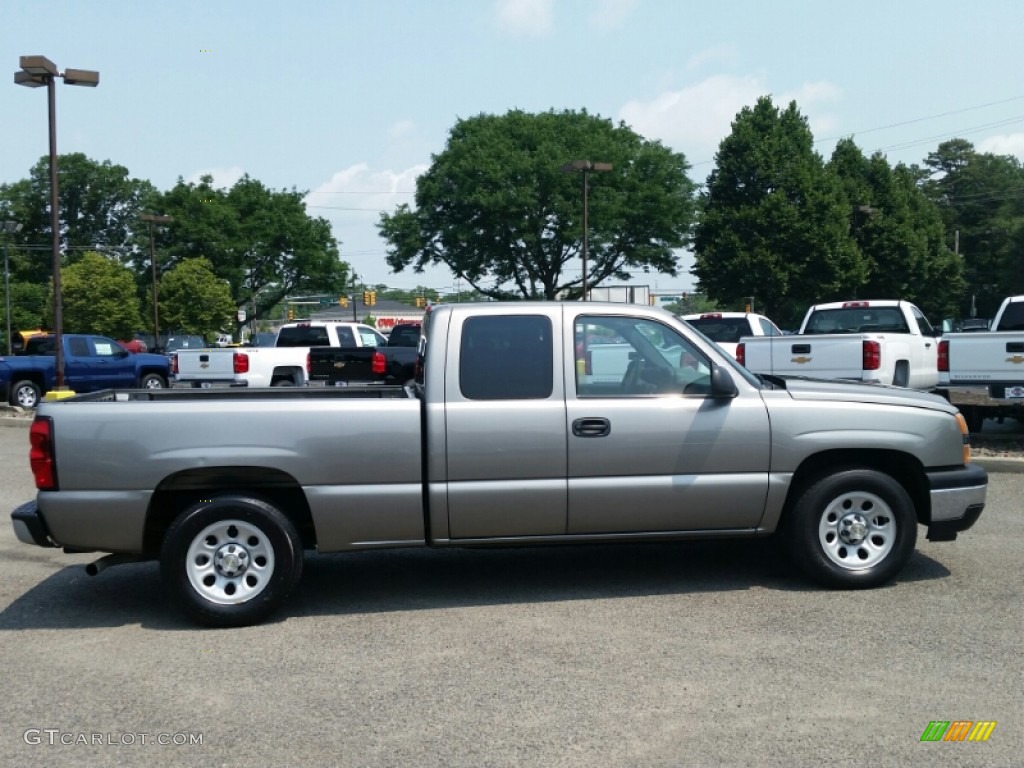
{"x": 10, "y": 227}
{"x": 37, "y": 71}
{"x": 154, "y": 219}
{"x": 585, "y": 167}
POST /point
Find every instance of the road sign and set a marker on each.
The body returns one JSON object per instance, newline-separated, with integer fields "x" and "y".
{"x": 325, "y": 302}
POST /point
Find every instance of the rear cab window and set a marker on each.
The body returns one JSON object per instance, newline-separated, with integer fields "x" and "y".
{"x": 506, "y": 357}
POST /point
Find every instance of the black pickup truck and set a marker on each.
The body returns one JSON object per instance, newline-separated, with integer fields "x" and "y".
{"x": 394, "y": 363}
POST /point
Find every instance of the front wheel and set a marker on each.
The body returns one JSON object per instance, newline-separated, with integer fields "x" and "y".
{"x": 26, "y": 394}
{"x": 855, "y": 529}
{"x": 231, "y": 561}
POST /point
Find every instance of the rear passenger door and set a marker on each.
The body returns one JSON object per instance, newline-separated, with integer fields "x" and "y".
{"x": 505, "y": 427}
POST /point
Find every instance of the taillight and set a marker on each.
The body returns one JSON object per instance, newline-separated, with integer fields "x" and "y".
{"x": 379, "y": 364}
{"x": 241, "y": 362}
{"x": 944, "y": 356}
{"x": 174, "y": 364}
{"x": 309, "y": 364}
{"x": 40, "y": 455}
{"x": 741, "y": 353}
{"x": 872, "y": 356}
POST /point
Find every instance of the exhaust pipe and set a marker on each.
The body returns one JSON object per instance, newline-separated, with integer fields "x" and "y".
{"x": 93, "y": 568}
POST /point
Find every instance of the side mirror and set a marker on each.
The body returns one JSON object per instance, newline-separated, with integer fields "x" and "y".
{"x": 722, "y": 384}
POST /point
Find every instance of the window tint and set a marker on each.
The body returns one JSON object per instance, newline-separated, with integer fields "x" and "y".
{"x": 79, "y": 347}
{"x": 649, "y": 359}
{"x": 506, "y": 357}
{"x": 345, "y": 336}
{"x": 303, "y": 336}
{"x": 1013, "y": 317}
{"x": 723, "y": 330}
{"x": 858, "y": 320}
{"x": 767, "y": 328}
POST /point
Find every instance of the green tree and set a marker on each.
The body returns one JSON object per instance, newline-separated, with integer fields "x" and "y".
{"x": 775, "y": 224}
{"x": 261, "y": 241}
{"x": 98, "y": 296}
{"x": 979, "y": 196}
{"x": 194, "y": 300}
{"x": 899, "y": 231}
{"x": 99, "y": 206}
{"x": 496, "y": 209}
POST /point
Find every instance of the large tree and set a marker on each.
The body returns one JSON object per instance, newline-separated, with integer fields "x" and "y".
{"x": 495, "y": 207}
{"x": 193, "y": 300}
{"x": 99, "y": 204}
{"x": 775, "y": 223}
{"x": 98, "y": 297}
{"x": 979, "y": 195}
{"x": 261, "y": 241}
{"x": 899, "y": 231}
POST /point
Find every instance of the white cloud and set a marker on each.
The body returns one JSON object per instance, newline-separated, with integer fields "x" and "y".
{"x": 610, "y": 14}
{"x": 696, "y": 118}
{"x": 359, "y": 190}
{"x": 1007, "y": 144}
{"x": 719, "y": 54}
{"x": 223, "y": 178}
{"x": 401, "y": 130}
{"x": 530, "y": 18}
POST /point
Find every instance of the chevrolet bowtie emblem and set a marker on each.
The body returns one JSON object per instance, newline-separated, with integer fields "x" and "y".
{"x": 339, "y": 365}
{"x": 1015, "y": 359}
{"x": 801, "y": 360}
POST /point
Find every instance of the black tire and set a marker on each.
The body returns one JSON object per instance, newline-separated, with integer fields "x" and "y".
{"x": 974, "y": 416}
{"x": 231, "y": 561}
{"x": 152, "y": 381}
{"x": 854, "y": 529}
{"x": 283, "y": 383}
{"x": 26, "y": 394}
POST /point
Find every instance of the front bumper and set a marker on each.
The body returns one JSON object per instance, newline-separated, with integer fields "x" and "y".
{"x": 957, "y": 500}
{"x": 29, "y": 526}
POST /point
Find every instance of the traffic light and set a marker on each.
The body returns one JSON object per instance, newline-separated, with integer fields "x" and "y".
{"x": 747, "y": 308}
{"x": 343, "y": 301}
{"x": 373, "y": 298}
{"x": 366, "y": 298}
{"x": 291, "y": 313}
{"x": 420, "y": 301}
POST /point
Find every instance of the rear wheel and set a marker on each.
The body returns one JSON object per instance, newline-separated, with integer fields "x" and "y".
{"x": 231, "y": 560}
{"x": 26, "y": 394}
{"x": 282, "y": 383}
{"x": 855, "y": 529}
{"x": 152, "y": 381}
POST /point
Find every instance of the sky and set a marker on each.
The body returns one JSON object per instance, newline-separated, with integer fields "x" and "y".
{"x": 349, "y": 99}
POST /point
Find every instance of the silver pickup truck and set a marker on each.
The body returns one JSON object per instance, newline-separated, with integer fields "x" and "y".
{"x": 503, "y": 440}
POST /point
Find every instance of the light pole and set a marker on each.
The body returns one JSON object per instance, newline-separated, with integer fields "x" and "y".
{"x": 10, "y": 227}
{"x": 37, "y": 71}
{"x": 155, "y": 219}
{"x": 585, "y": 167}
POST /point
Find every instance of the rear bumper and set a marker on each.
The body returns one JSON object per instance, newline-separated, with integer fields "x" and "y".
{"x": 957, "y": 500}
{"x": 29, "y": 526}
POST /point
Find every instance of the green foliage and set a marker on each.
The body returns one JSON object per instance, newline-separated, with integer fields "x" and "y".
{"x": 979, "y": 197}
{"x": 99, "y": 204}
{"x": 28, "y": 308}
{"x": 98, "y": 297}
{"x": 775, "y": 224}
{"x": 261, "y": 241}
{"x": 899, "y": 231}
{"x": 692, "y": 303}
{"x": 193, "y": 300}
{"x": 496, "y": 207}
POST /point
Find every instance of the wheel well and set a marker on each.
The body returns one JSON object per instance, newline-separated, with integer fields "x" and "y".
{"x": 165, "y": 375}
{"x": 901, "y": 375}
{"x": 178, "y": 491}
{"x": 290, "y": 372}
{"x": 902, "y": 467}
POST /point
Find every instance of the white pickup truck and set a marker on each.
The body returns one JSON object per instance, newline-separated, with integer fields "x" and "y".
{"x": 983, "y": 372}
{"x": 727, "y": 328}
{"x": 283, "y": 365}
{"x": 875, "y": 341}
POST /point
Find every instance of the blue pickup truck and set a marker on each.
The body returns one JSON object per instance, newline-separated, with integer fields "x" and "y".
{"x": 91, "y": 363}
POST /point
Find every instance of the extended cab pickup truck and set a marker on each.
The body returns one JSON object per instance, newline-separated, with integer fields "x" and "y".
{"x": 880, "y": 342}
{"x": 502, "y": 441}
{"x": 983, "y": 372}
{"x": 283, "y": 365}
{"x": 394, "y": 363}
{"x": 90, "y": 363}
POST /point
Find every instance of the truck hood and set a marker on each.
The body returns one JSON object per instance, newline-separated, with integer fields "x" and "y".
{"x": 856, "y": 392}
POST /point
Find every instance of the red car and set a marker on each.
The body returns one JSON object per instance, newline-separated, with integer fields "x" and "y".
{"x": 135, "y": 345}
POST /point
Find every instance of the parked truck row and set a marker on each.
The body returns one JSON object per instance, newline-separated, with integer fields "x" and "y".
{"x": 502, "y": 439}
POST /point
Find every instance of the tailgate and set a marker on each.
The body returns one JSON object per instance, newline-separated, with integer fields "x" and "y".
{"x": 205, "y": 365}
{"x": 341, "y": 364}
{"x": 986, "y": 358}
{"x": 829, "y": 356}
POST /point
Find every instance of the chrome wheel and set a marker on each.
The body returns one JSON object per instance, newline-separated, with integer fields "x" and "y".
{"x": 857, "y": 530}
{"x": 230, "y": 562}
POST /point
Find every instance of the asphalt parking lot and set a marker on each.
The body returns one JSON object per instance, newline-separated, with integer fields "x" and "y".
{"x": 698, "y": 654}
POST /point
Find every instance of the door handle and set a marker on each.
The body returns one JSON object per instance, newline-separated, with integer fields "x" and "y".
{"x": 591, "y": 427}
